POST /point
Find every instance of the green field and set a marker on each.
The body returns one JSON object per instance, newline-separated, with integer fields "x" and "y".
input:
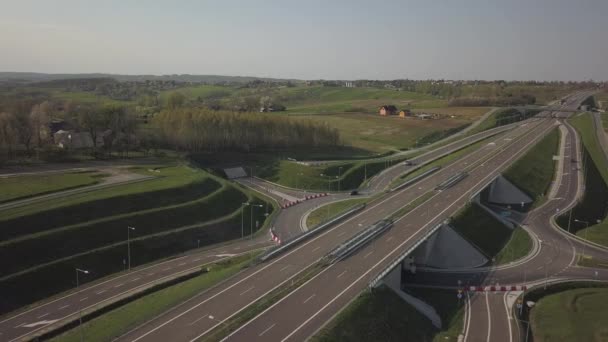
{"x": 534, "y": 172}
{"x": 20, "y": 187}
{"x": 328, "y": 211}
{"x": 572, "y": 315}
{"x": 118, "y": 321}
{"x": 498, "y": 242}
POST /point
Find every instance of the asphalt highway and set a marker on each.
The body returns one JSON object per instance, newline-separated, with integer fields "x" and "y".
{"x": 317, "y": 301}
{"x": 223, "y": 303}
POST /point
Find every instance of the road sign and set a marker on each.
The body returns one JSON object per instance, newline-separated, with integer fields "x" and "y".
{"x": 459, "y": 295}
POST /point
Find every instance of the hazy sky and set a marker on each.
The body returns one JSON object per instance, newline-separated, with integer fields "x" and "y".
{"x": 309, "y": 39}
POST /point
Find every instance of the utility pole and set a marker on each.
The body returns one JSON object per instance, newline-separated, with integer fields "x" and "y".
{"x": 78, "y": 270}
{"x": 243, "y": 205}
{"x": 129, "y": 229}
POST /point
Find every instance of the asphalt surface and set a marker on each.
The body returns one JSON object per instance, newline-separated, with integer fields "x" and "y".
{"x": 316, "y": 302}
{"x": 254, "y": 283}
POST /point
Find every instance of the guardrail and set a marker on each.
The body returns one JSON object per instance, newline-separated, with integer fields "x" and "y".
{"x": 415, "y": 179}
{"x": 316, "y": 229}
{"x": 451, "y": 181}
{"x": 359, "y": 240}
{"x": 374, "y": 282}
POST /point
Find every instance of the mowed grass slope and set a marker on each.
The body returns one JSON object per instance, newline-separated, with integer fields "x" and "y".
{"x": 534, "y": 172}
{"x": 572, "y": 315}
{"x": 170, "y": 220}
{"x": 20, "y": 187}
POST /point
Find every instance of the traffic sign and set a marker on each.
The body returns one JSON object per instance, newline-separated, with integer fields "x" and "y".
{"x": 459, "y": 295}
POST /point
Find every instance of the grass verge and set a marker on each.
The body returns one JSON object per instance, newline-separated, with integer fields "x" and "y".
{"x": 118, "y": 321}
{"x": 21, "y": 187}
{"x": 330, "y": 210}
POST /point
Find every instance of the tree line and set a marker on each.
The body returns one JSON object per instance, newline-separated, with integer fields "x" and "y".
{"x": 200, "y": 129}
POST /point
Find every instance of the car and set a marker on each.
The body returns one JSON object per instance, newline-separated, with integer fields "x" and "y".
{"x": 354, "y": 193}
{"x": 408, "y": 163}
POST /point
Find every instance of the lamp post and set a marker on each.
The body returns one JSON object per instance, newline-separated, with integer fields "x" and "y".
{"x": 129, "y": 229}
{"x": 243, "y": 205}
{"x": 251, "y": 219}
{"x": 78, "y": 270}
{"x": 298, "y": 178}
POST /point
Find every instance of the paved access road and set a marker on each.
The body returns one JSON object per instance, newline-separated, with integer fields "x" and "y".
{"x": 316, "y": 302}
{"x": 222, "y": 303}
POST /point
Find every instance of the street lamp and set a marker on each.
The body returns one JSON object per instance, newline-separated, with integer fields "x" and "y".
{"x": 298, "y": 178}
{"x": 78, "y": 270}
{"x": 129, "y": 229}
{"x": 243, "y": 205}
{"x": 328, "y": 181}
{"x": 251, "y": 219}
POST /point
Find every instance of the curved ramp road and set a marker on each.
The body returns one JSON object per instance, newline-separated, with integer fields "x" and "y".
{"x": 257, "y": 281}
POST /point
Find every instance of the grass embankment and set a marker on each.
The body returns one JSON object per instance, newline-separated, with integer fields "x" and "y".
{"x": 502, "y": 117}
{"x": 164, "y": 227}
{"x": 328, "y": 211}
{"x": 594, "y": 204}
{"x": 534, "y": 172}
{"x": 573, "y": 315}
{"x": 20, "y": 187}
{"x": 118, "y": 321}
{"x": 381, "y": 315}
{"x": 490, "y": 236}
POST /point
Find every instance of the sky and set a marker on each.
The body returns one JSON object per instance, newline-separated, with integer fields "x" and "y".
{"x": 310, "y": 39}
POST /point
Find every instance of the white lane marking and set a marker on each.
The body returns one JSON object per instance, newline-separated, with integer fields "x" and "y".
{"x": 249, "y": 289}
{"x": 136, "y": 279}
{"x": 197, "y": 259}
{"x": 489, "y": 318}
{"x": 309, "y": 298}
{"x": 100, "y": 292}
{"x": 119, "y": 285}
{"x": 468, "y": 314}
{"x": 198, "y": 319}
{"x": 43, "y": 315}
{"x": 32, "y": 325}
{"x": 316, "y": 248}
{"x": 284, "y": 268}
{"x": 341, "y": 274}
{"x": 389, "y": 238}
{"x": 504, "y": 299}
{"x": 19, "y": 326}
{"x": 83, "y": 299}
{"x": 166, "y": 269}
{"x": 368, "y": 254}
{"x": 342, "y": 233}
{"x": 267, "y": 329}
{"x": 150, "y": 274}
{"x": 182, "y": 264}
{"x": 63, "y": 307}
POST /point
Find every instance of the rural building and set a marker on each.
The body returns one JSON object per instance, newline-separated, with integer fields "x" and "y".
{"x": 387, "y": 110}
{"x": 77, "y": 140}
{"x": 405, "y": 113}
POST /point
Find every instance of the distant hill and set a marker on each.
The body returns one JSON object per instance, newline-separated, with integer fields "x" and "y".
{"x": 28, "y": 77}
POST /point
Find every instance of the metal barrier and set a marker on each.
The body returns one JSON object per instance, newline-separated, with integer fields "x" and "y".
{"x": 451, "y": 181}
{"x": 360, "y": 239}
{"x": 318, "y": 228}
{"x": 415, "y": 179}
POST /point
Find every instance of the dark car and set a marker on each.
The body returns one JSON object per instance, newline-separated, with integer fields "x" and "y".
{"x": 354, "y": 193}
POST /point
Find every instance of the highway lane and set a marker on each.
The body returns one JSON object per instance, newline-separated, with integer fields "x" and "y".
{"x": 60, "y": 309}
{"x": 90, "y": 297}
{"x": 236, "y": 295}
{"x": 314, "y": 303}
{"x": 490, "y": 318}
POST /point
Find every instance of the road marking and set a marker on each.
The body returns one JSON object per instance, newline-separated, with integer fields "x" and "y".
{"x": 341, "y": 233}
{"x": 316, "y": 248}
{"x": 309, "y": 298}
{"x": 166, "y": 269}
{"x": 389, "y": 238}
{"x": 198, "y": 319}
{"x": 197, "y": 259}
{"x": 182, "y": 264}
{"x": 368, "y": 254}
{"x": 136, "y": 279}
{"x": 63, "y": 307}
{"x": 237, "y": 248}
{"x": 284, "y": 268}
{"x": 249, "y": 289}
{"x": 504, "y": 299}
{"x": 83, "y": 299}
{"x": 119, "y": 285}
{"x": 100, "y": 292}
{"x": 341, "y": 274}
{"x": 150, "y": 274}
{"x": 489, "y": 318}
{"x": 267, "y": 329}
{"x": 19, "y": 326}
{"x": 43, "y": 315}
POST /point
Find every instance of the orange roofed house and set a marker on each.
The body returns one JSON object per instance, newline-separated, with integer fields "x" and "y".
{"x": 387, "y": 110}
